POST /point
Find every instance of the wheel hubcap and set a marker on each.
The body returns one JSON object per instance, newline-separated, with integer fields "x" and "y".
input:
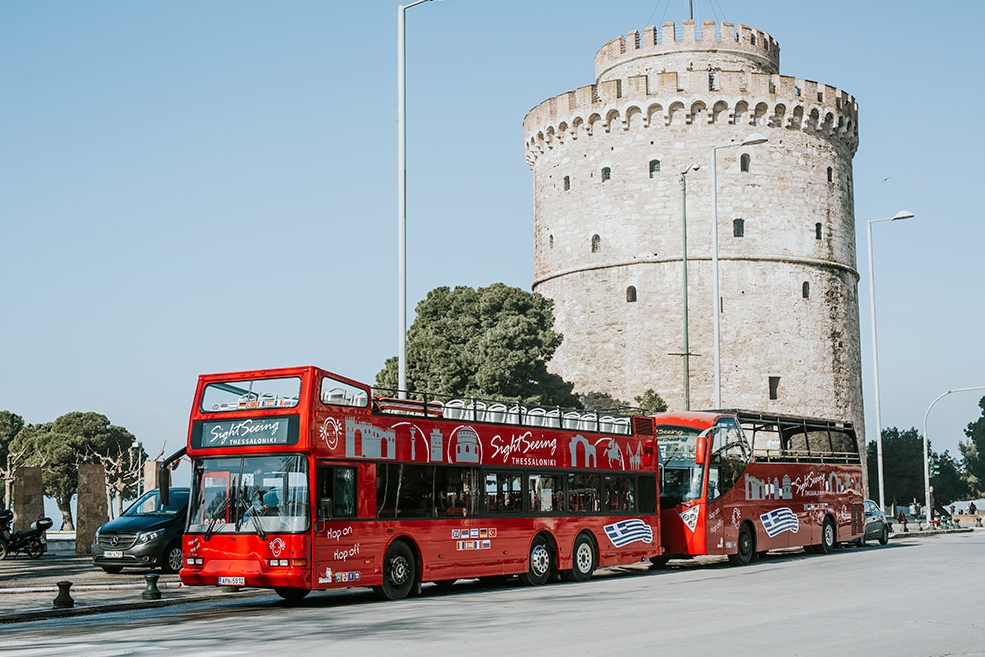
{"x": 540, "y": 561}
{"x": 398, "y": 570}
{"x": 584, "y": 558}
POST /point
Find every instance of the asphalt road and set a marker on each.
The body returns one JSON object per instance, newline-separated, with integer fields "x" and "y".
{"x": 916, "y": 597}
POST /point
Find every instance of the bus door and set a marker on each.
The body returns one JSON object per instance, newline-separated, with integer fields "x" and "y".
{"x": 339, "y": 554}
{"x": 728, "y": 455}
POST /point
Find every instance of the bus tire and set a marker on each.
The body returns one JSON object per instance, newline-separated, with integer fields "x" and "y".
{"x": 584, "y": 560}
{"x": 659, "y": 562}
{"x": 541, "y": 563}
{"x": 745, "y": 548}
{"x": 398, "y": 572}
{"x": 291, "y": 594}
{"x": 827, "y": 537}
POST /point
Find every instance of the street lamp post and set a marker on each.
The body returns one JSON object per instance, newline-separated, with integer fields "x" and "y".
{"x": 926, "y": 447}
{"x": 687, "y": 350}
{"x": 751, "y": 140}
{"x": 402, "y": 201}
{"x": 902, "y": 214}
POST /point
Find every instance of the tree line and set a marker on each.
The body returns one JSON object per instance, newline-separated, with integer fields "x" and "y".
{"x": 958, "y": 477}
{"x": 59, "y": 447}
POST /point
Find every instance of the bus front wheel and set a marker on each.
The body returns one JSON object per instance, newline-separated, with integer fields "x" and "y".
{"x": 744, "y": 548}
{"x": 291, "y": 594}
{"x": 398, "y": 572}
{"x": 539, "y": 570}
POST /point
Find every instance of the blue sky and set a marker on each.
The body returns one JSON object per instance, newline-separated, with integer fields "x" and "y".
{"x": 192, "y": 186}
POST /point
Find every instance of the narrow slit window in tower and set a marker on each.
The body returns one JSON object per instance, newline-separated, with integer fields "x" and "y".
{"x": 830, "y": 174}
{"x": 817, "y": 230}
{"x": 596, "y": 243}
{"x": 550, "y": 241}
{"x": 738, "y": 227}
{"x": 654, "y": 167}
{"x": 631, "y": 294}
{"x": 606, "y": 174}
{"x": 807, "y": 290}
{"x": 567, "y": 183}
{"x": 744, "y": 163}
{"x": 774, "y": 387}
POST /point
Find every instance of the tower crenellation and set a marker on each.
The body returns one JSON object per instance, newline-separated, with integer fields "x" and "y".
{"x": 606, "y": 160}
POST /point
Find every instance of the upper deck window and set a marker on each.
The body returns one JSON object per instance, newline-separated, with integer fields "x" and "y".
{"x": 251, "y": 394}
{"x": 339, "y": 393}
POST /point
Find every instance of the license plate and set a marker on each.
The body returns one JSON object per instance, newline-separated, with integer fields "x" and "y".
{"x": 232, "y": 581}
{"x": 113, "y": 554}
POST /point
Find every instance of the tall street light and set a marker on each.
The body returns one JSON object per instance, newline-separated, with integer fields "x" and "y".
{"x": 751, "y": 140}
{"x": 402, "y": 201}
{"x": 902, "y": 214}
{"x": 926, "y": 447}
{"x": 687, "y": 350}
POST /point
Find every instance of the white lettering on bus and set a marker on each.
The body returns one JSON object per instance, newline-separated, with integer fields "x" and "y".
{"x": 337, "y": 534}
{"x": 521, "y": 444}
{"x": 342, "y": 555}
{"x": 809, "y": 481}
{"x": 243, "y": 429}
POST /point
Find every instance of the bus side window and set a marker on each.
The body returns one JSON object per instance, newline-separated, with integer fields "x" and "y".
{"x": 336, "y": 492}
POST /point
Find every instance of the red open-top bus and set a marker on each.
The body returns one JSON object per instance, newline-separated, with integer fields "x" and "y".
{"x": 304, "y": 480}
{"x": 741, "y": 483}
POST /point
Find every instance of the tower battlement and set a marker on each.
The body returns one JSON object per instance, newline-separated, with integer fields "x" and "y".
{"x": 743, "y": 41}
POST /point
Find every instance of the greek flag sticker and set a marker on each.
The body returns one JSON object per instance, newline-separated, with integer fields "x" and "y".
{"x": 625, "y": 532}
{"x": 780, "y": 520}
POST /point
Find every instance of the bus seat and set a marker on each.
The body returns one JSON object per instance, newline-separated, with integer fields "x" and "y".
{"x": 571, "y": 419}
{"x": 454, "y": 409}
{"x": 496, "y": 413}
{"x": 536, "y": 417}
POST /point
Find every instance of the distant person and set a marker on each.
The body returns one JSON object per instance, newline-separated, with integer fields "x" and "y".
{"x": 972, "y": 509}
{"x": 952, "y": 509}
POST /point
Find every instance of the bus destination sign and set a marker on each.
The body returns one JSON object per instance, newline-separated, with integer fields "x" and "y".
{"x": 247, "y": 432}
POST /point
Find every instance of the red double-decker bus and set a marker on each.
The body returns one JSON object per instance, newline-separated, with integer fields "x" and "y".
{"x": 305, "y": 480}
{"x": 743, "y": 483}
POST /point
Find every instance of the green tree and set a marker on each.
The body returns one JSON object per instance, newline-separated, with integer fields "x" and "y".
{"x": 10, "y": 426}
{"x": 902, "y": 461}
{"x": 651, "y": 401}
{"x": 973, "y": 453}
{"x": 949, "y": 484}
{"x": 492, "y": 342}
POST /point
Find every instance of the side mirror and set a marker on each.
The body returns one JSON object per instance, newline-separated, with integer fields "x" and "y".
{"x": 325, "y": 508}
{"x": 701, "y": 449}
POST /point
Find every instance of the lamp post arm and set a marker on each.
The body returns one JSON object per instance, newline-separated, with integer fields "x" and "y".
{"x": 926, "y": 443}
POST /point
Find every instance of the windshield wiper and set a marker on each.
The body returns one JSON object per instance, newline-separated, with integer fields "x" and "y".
{"x": 214, "y": 519}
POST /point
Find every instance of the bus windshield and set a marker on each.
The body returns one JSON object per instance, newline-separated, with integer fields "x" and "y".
{"x": 681, "y": 477}
{"x": 250, "y": 494}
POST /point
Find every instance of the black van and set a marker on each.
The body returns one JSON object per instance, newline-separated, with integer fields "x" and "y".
{"x": 146, "y": 535}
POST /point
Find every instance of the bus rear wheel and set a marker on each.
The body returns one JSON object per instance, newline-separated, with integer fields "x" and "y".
{"x": 583, "y": 561}
{"x": 539, "y": 570}
{"x": 398, "y": 572}
{"x": 827, "y": 537}
{"x": 745, "y": 548}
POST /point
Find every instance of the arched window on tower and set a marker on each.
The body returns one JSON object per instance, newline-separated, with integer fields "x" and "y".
{"x": 654, "y": 167}
{"x": 631, "y": 294}
{"x": 550, "y": 241}
{"x": 744, "y": 162}
{"x": 817, "y": 230}
{"x": 830, "y": 174}
{"x": 567, "y": 183}
{"x": 596, "y": 243}
{"x": 606, "y": 174}
{"x": 738, "y": 227}
{"x": 807, "y": 290}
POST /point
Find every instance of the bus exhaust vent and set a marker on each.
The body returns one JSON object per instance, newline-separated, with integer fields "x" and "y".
{"x": 858, "y": 518}
{"x": 642, "y": 426}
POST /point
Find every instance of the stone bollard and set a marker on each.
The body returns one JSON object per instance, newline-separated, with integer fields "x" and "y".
{"x": 978, "y": 521}
{"x": 151, "y": 592}
{"x": 63, "y": 600}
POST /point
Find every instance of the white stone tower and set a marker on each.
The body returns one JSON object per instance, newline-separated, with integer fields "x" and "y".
{"x": 607, "y": 162}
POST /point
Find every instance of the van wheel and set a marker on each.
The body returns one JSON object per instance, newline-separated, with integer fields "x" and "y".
{"x": 171, "y": 563}
{"x": 540, "y": 563}
{"x": 884, "y": 539}
{"x": 584, "y": 561}
{"x": 398, "y": 572}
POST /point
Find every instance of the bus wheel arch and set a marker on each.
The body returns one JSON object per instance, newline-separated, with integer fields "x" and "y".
{"x": 541, "y": 561}
{"x": 584, "y": 558}
{"x": 401, "y": 570}
{"x": 745, "y": 545}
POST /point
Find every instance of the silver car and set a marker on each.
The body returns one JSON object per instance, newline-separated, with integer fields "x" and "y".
{"x": 876, "y": 527}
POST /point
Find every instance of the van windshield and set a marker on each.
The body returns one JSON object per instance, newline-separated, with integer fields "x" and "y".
{"x": 149, "y": 504}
